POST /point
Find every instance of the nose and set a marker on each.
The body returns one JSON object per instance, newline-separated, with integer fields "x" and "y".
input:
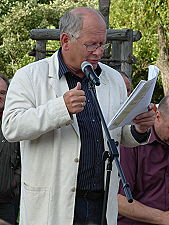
{"x": 99, "y": 51}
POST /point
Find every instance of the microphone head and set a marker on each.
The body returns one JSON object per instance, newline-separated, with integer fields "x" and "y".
{"x": 88, "y": 70}
{"x": 84, "y": 64}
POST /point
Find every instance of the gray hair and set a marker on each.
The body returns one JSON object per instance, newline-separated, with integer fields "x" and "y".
{"x": 3, "y": 77}
{"x": 72, "y": 23}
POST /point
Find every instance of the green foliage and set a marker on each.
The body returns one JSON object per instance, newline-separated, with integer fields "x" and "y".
{"x": 6, "y": 5}
{"x": 15, "y": 33}
{"x": 18, "y": 19}
{"x": 145, "y": 16}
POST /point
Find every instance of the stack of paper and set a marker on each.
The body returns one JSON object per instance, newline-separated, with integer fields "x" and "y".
{"x": 137, "y": 102}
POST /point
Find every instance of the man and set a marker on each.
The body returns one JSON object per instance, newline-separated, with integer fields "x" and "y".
{"x": 147, "y": 169}
{"x": 50, "y": 110}
{"x": 9, "y": 168}
{"x": 127, "y": 82}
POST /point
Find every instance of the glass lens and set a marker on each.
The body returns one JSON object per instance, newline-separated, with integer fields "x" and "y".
{"x": 92, "y": 48}
{"x": 3, "y": 92}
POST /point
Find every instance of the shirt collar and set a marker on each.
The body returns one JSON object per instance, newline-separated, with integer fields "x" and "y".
{"x": 62, "y": 66}
{"x": 63, "y": 69}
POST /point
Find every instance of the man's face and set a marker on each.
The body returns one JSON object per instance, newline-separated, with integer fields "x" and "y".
{"x": 93, "y": 33}
{"x": 162, "y": 127}
{"x": 3, "y": 90}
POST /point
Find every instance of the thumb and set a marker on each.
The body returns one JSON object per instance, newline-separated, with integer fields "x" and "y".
{"x": 152, "y": 106}
{"x": 78, "y": 86}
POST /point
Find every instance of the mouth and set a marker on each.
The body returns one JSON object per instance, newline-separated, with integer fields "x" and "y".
{"x": 94, "y": 63}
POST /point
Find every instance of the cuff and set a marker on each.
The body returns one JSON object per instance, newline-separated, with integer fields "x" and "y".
{"x": 140, "y": 137}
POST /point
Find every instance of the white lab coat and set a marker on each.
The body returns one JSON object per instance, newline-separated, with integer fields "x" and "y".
{"x": 36, "y": 115}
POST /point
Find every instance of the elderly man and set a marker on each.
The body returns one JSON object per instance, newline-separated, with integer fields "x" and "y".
{"x": 51, "y": 111}
{"x": 147, "y": 168}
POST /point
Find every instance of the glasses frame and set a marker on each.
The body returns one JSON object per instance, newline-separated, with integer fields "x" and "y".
{"x": 94, "y": 46}
{"x": 3, "y": 92}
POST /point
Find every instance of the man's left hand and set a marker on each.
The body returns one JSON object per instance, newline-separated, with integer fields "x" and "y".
{"x": 145, "y": 120}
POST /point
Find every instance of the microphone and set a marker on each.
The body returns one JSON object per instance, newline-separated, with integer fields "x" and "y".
{"x": 87, "y": 68}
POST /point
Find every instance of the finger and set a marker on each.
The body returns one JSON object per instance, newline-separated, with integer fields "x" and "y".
{"x": 144, "y": 123}
{"x": 142, "y": 128}
{"x": 78, "y": 108}
{"x": 82, "y": 104}
{"x": 146, "y": 115}
{"x": 150, "y": 106}
{"x": 78, "y": 86}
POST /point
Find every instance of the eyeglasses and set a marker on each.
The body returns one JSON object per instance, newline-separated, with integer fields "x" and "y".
{"x": 3, "y": 92}
{"x": 93, "y": 47}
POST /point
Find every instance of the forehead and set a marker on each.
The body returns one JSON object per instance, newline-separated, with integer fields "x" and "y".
{"x": 3, "y": 85}
{"x": 93, "y": 27}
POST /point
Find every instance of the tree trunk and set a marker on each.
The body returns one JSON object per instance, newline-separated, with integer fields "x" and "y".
{"x": 163, "y": 62}
{"x": 104, "y": 6}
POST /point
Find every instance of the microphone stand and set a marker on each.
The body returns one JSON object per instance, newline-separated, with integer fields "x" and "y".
{"x": 110, "y": 155}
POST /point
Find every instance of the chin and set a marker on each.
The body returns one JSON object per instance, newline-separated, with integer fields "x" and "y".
{"x": 94, "y": 64}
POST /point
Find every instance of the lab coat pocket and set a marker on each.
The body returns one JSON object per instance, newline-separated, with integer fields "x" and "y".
{"x": 36, "y": 204}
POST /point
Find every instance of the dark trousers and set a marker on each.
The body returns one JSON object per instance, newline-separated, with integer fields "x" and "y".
{"x": 87, "y": 211}
{"x": 9, "y": 211}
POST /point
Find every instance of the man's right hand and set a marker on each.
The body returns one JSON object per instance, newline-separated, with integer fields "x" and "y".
{"x": 75, "y": 99}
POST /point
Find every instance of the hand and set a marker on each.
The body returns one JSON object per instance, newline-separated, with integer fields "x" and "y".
{"x": 165, "y": 218}
{"x": 145, "y": 120}
{"x": 75, "y": 99}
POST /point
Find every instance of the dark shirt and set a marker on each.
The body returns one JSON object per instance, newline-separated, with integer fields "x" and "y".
{"x": 91, "y": 166}
{"x": 10, "y": 169}
{"x": 146, "y": 168}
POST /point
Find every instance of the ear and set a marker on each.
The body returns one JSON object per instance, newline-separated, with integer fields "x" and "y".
{"x": 65, "y": 41}
{"x": 158, "y": 115}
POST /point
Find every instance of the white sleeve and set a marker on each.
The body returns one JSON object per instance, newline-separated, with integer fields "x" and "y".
{"x": 28, "y": 112}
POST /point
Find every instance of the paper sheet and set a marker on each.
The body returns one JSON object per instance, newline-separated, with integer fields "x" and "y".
{"x": 137, "y": 102}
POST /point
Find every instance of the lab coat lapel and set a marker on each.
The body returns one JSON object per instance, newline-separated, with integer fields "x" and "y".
{"x": 60, "y": 88}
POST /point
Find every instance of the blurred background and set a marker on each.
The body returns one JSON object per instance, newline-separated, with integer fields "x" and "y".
{"x": 151, "y": 18}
